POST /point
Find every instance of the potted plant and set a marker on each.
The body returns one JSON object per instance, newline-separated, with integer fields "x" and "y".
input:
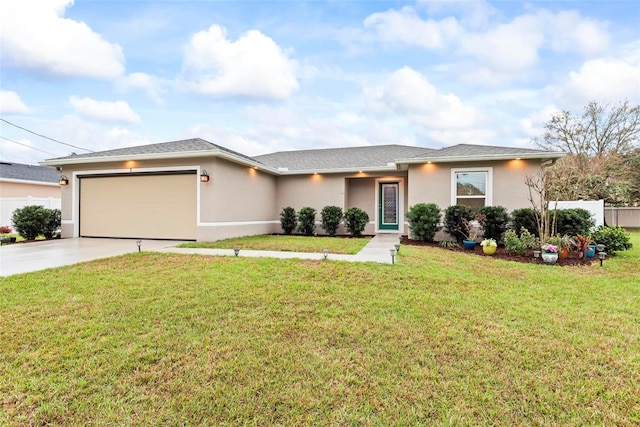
{"x": 489, "y": 246}
{"x": 549, "y": 253}
{"x": 472, "y": 230}
{"x": 566, "y": 246}
{"x": 581, "y": 243}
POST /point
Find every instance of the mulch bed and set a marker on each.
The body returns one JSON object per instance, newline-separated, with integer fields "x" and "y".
{"x": 501, "y": 253}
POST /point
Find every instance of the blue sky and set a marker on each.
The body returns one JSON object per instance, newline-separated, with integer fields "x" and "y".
{"x": 260, "y": 76}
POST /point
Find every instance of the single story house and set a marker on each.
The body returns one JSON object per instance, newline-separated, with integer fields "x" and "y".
{"x": 23, "y": 185}
{"x": 195, "y": 190}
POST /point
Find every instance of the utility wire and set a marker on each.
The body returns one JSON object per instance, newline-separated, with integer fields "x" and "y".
{"x": 28, "y": 146}
{"x": 44, "y": 136}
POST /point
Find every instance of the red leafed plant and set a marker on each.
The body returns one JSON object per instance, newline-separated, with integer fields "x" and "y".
{"x": 582, "y": 244}
{"x": 5, "y": 230}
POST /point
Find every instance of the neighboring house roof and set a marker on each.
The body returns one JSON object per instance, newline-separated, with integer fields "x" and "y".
{"x": 471, "y": 152}
{"x": 22, "y": 172}
{"x": 373, "y": 157}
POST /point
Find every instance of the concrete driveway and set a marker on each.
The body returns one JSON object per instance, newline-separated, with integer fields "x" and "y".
{"x": 27, "y": 257}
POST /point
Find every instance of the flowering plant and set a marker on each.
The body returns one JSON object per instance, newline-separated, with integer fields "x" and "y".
{"x": 489, "y": 242}
{"x": 5, "y": 230}
{"x": 550, "y": 248}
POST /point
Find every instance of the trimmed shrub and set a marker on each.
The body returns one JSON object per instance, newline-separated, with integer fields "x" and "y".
{"x": 355, "y": 219}
{"x": 288, "y": 220}
{"x": 454, "y": 220}
{"x": 573, "y": 221}
{"x": 331, "y": 219}
{"x": 52, "y": 222}
{"x": 423, "y": 221}
{"x": 526, "y": 218}
{"x": 613, "y": 238}
{"x": 307, "y": 221}
{"x": 496, "y": 221}
{"x": 518, "y": 244}
{"x": 35, "y": 220}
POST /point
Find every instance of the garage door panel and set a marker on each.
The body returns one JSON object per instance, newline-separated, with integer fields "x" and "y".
{"x": 143, "y": 206}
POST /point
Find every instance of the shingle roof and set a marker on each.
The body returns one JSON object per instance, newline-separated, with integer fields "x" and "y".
{"x": 28, "y": 172}
{"x": 185, "y": 145}
{"x": 467, "y": 150}
{"x": 340, "y": 158}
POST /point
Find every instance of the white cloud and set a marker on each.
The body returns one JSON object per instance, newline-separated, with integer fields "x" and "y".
{"x": 154, "y": 87}
{"x": 405, "y": 26}
{"x": 602, "y": 80}
{"x": 10, "y": 103}
{"x": 116, "y": 111}
{"x": 254, "y": 65}
{"x": 410, "y": 94}
{"x": 36, "y": 35}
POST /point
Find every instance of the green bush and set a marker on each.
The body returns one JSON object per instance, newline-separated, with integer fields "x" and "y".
{"x": 331, "y": 219}
{"x": 423, "y": 221}
{"x": 35, "y": 220}
{"x": 454, "y": 220}
{"x": 613, "y": 238}
{"x": 307, "y": 221}
{"x": 52, "y": 222}
{"x": 288, "y": 219}
{"x": 496, "y": 221}
{"x": 526, "y": 218}
{"x": 355, "y": 220}
{"x": 573, "y": 221}
{"x": 518, "y": 244}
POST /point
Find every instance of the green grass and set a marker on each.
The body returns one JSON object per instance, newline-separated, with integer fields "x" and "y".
{"x": 336, "y": 245}
{"x": 440, "y": 338}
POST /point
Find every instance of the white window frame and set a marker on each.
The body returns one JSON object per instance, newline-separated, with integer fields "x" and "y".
{"x": 489, "y": 184}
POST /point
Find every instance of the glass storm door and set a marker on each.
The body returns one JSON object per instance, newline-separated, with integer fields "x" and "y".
{"x": 388, "y": 199}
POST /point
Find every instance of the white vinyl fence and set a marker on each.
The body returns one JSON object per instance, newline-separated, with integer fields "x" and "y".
{"x": 10, "y": 204}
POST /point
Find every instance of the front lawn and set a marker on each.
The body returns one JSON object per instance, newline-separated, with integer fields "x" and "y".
{"x": 440, "y": 338}
{"x": 336, "y": 245}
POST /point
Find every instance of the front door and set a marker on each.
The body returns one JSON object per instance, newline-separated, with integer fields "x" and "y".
{"x": 388, "y": 201}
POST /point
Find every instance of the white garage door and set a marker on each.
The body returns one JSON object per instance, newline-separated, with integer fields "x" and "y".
{"x": 139, "y": 206}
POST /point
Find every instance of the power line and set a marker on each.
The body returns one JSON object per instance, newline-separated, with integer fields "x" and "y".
{"x": 44, "y": 136}
{"x": 28, "y": 146}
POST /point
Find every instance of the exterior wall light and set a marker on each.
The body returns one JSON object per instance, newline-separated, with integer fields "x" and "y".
{"x": 64, "y": 181}
{"x": 204, "y": 176}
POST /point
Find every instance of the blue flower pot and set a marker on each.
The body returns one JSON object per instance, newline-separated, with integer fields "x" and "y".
{"x": 591, "y": 252}
{"x": 469, "y": 244}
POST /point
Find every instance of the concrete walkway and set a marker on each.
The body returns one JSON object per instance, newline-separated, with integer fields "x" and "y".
{"x": 377, "y": 250}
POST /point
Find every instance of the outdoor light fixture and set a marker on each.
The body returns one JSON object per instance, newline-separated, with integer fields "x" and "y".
{"x": 600, "y": 247}
{"x": 397, "y": 245}
{"x": 393, "y": 255}
{"x": 64, "y": 181}
{"x": 204, "y": 176}
{"x": 325, "y": 253}
{"x": 139, "y": 243}
{"x": 236, "y": 251}
{"x": 536, "y": 254}
{"x": 602, "y": 256}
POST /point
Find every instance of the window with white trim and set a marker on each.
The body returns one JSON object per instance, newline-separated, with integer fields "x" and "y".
{"x": 472, "y": 187}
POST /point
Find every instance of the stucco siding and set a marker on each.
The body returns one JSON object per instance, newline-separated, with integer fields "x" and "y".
{"x": 431, "y": 183}
{"x": 18, "y": 189}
